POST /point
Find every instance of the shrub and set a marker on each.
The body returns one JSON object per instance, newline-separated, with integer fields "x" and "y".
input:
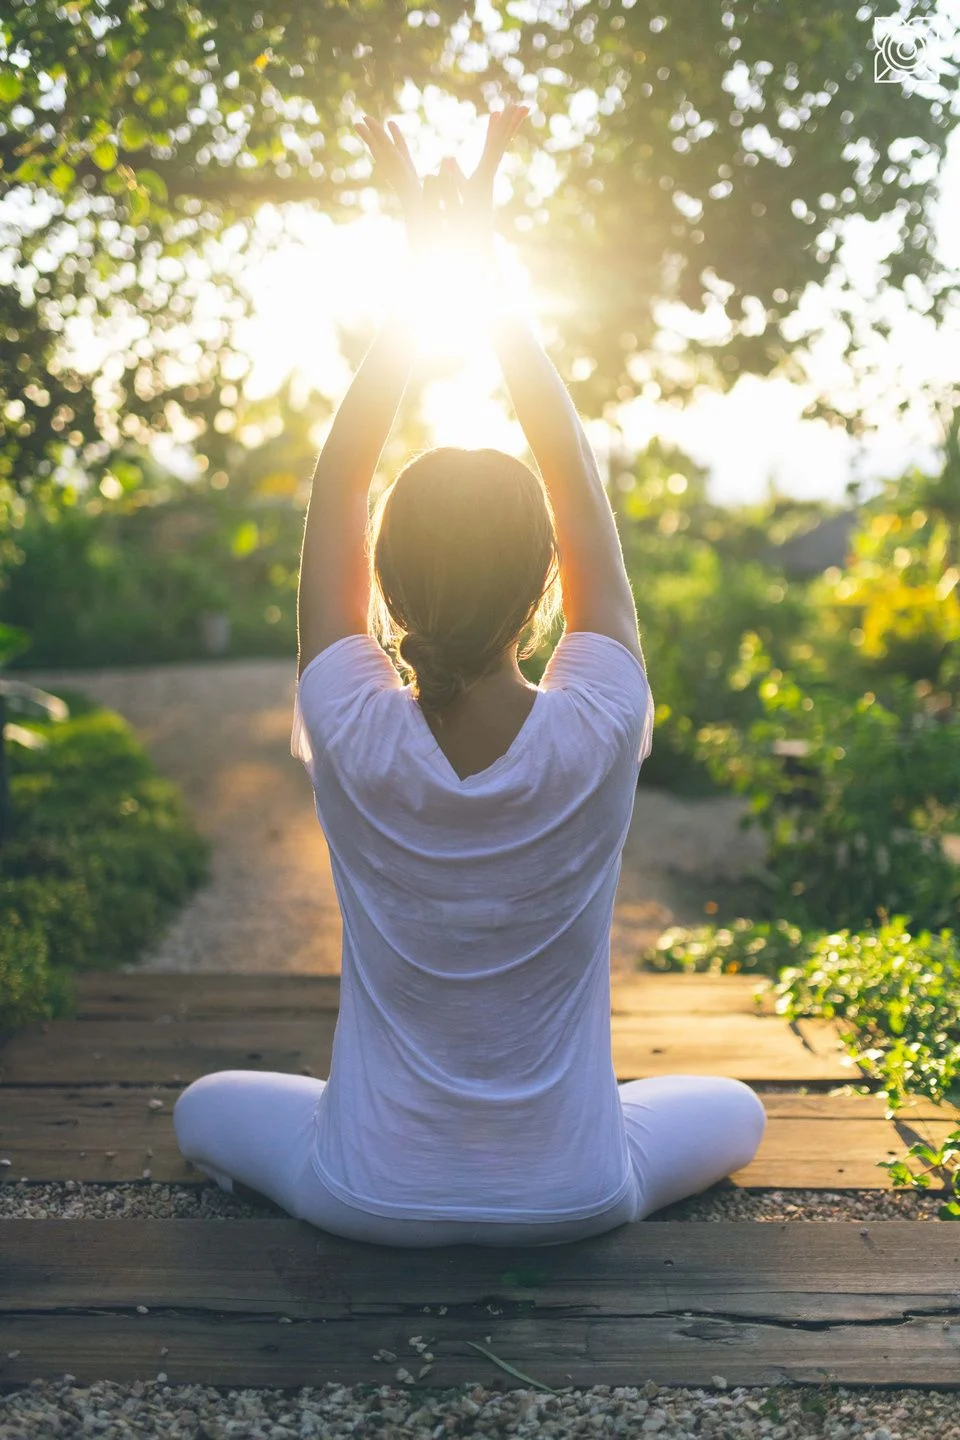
{"x": 744, "y": 947}
{"x": 101, "y": 854}
{"x": 130, "y": 583}
{"x": 858, "y": 834}
{"x": 901, "y": 991}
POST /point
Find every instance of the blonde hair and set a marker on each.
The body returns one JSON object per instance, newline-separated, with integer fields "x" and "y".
{"x": 463, "y": 564}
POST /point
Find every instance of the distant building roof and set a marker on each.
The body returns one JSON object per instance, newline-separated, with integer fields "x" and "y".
{"x": 816, "y": 550}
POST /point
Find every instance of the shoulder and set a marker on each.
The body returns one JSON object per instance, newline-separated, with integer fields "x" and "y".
{"x": 606, "y": 684}
{"x": 337, "y": 690}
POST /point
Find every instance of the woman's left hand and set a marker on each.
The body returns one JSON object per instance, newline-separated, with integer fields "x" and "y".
{"x": 394, "y": 164}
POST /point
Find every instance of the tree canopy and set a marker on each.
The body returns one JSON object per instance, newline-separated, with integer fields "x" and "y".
{"x": 707, "y": 154}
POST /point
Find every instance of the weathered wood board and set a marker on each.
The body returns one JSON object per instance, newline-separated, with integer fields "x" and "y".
{"x": 150, "y": 1052}
{"x": 110, "y": 1134}
{"x": 148, "y": 996}
{"x": 280, "y": 1303}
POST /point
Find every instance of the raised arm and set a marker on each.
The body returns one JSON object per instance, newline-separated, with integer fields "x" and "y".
{"x": 334, "y": 577}
{"x": 596, "y": 589}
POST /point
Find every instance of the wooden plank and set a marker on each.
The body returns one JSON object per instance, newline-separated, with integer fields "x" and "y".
{"x": 105, "y": 1134}
{"x": 747, "y": 1047}
{"x": 652, "y": 992}
{"x": 164, "y": 997}
{"x": 90, "y": 1134}
{"x": 837, "y": 1105}
{"x": 835, "y": 1272}
{"x": 141, "y": 1052}
{"x": 574, "y": 1351}
{"x": 138, "y": 1052}
{"x": 675, "y": 1302}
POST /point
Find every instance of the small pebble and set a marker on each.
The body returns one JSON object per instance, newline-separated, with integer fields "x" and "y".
{"x": 155, "y": 1104}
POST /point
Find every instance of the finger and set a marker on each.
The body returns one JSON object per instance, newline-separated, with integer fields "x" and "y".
{"x": 447, "y": 189}
{"x": 502, "y": 127}
{"x": 518, "y": 119}
{"x": 399, "y": 140}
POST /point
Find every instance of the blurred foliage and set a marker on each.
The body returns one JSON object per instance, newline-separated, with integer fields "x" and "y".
{"x": 140, "y": 145}
{"x": 898, "y": 603}
{"x": 856, "y": 797}
{"x": 743, "y": 947}
{"x": 102, "y": 854}
{"x": 702, "y": 575}
{"x": 131, "y": 571}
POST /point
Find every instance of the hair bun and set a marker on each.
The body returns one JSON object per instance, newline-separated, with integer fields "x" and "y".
{"x": 438, "y": 681}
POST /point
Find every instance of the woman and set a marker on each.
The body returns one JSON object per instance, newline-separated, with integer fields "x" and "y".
{"x": 475, "y": 825}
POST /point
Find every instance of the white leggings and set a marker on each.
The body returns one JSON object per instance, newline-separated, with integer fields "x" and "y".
{"x": 685, "y": 1132}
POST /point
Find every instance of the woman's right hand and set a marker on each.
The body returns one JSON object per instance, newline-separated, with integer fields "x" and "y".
{"x": 475, "y": 192}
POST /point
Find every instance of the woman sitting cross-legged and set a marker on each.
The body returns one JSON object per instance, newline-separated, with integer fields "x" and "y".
{"x": 475, "y": 825}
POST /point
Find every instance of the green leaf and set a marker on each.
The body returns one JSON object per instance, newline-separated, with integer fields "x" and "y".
{"x": 62, "y": 177}
{"x": 133, "y": 133}
{"x": 105, "y": 155}
{"x": 13, "y": 641}
{"x": 154, "y": 184}
{"x": 245, "y": 539}
{"x": 11, "y": 86}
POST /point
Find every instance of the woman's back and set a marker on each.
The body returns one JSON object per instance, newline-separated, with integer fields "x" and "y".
{"x": 472, "y": 1075}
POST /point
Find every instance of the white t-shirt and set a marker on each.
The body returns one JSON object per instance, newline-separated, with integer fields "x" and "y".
{"x": 472, "y": 1075}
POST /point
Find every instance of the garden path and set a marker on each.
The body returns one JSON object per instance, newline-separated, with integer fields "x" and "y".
{"x": 221, "y": 729}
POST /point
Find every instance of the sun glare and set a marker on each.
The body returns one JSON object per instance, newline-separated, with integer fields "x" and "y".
{"x": 351, "y": 275}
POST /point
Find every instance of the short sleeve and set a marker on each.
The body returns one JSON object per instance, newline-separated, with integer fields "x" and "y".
{"x": 610, "y": 681}
{"x": 333, "y": 692}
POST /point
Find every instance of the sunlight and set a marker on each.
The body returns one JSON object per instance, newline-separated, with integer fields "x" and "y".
{"x": 324, "y": 276}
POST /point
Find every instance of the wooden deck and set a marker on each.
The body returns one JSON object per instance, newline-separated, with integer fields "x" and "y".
{"x": 90, "y": 1099}
{"x": 275, "y": 1302}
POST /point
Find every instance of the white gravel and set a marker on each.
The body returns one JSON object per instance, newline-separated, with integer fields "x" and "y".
{"x": 65, "y": 1410}
{"x": 76, "y": 1201}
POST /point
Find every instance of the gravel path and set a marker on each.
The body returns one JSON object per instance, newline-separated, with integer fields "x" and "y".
{"x": 193, "y": 1412}
{"x": 78, "y": 1200}
{"x": 222, "y": 730}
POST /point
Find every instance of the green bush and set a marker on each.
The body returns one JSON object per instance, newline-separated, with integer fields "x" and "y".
{"x": 857, "y": 832}
{"x": 899, "y": 991}
{"x": 101, "y": 854}
{"x": 902, "y": 992}
{"x": 130, "y": 582}
{"x": 743, "y": 947}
